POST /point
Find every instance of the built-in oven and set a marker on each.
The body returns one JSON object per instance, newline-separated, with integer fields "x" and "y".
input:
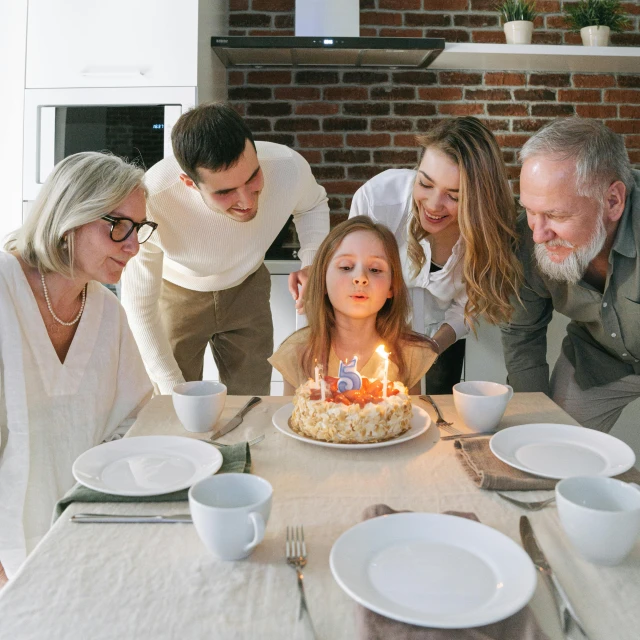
{"x": 133, "y": 123}
{"x": 286, "y": 245}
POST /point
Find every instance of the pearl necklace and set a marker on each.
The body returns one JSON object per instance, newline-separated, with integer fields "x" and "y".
{"x": 55, "y": 317}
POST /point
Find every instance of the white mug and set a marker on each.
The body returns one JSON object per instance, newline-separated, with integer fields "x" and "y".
{"x": 601, "y": 516}
{"x": 230, "y": 513}
{"x": 199, "y": 404}
{"x": 481, "y": 405}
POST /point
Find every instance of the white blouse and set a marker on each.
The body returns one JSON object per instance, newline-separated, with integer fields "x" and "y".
{"x": 388, "y": 199}
{"x": 52, "y": 412}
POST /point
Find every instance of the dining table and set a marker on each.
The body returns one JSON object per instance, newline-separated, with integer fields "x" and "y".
{"x": 136, "y": 581}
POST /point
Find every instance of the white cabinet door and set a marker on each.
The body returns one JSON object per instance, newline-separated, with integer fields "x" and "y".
{"x": 484, "y": 358}
{"x": 283, "y": 312}
{"x": 117, "y": 43}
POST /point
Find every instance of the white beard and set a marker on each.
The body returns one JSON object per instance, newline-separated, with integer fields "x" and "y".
{"x": 574, "y": 266}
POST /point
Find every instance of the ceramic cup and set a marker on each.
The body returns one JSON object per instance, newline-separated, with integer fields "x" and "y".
{"x": 199, "y": 404}
{"x": 230, "y": 513}
{"x": 601, "y": 517}
{"x": 481, "y": 405}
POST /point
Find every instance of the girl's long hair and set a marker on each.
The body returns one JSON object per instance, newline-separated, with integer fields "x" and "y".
{"x": 392, "y": 321}
{"x": 486, "y": 216}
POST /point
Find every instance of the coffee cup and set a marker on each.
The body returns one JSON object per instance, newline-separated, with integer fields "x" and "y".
{"x": 199, "y": 404}
{"x": 481, "y": 405}
{"x": 601, "y": 517}
{"x": 230, "y": 513}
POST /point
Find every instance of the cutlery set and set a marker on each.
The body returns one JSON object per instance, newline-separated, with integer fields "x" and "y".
{"x": 237, "y": 419}
{"x": 568, "y": 617}
{"x": 296, "y": 554}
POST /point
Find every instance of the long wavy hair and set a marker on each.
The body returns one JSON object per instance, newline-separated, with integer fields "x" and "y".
{"x": 486, "y": 217}
{"x": 392, "y": 321}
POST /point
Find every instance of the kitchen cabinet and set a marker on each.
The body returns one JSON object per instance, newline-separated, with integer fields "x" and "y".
{"x": 120, "y": 43}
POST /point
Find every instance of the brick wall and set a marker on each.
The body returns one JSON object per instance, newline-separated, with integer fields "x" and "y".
{"x": 351, "y": 124}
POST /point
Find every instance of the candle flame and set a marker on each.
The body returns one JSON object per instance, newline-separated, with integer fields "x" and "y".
{"x": 381, "y": 352}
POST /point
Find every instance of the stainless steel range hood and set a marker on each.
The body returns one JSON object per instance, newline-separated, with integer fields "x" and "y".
{"x": 326, "y": 35}
{"x": 307, "y": 51}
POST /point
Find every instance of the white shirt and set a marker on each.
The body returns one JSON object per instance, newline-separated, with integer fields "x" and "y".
{"x": 204, "y": 250}
{"x": 51, "y": 412}
{"x": 388, "y": 199}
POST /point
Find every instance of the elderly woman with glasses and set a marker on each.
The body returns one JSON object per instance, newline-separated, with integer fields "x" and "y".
{"x": 71, "y": 375}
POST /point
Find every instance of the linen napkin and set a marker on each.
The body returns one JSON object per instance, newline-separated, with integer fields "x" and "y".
{"x": 372, "y": 626}
{"x": 236, "y": 458}
{"x": 488, "y": 472}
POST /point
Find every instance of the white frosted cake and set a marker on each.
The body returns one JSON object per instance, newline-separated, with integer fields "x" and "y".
{"x": 352, "y": 417}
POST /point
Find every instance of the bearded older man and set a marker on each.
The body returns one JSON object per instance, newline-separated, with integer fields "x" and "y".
{"x": 579, "y": 250}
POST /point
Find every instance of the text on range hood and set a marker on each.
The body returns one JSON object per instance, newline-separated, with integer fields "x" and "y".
{"x": 322, "y": 51}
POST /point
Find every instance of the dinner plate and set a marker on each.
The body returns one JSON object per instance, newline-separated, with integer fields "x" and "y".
{"x": 420, "y": 422}
{"x": 562, "y": 451}
{"x": 146, "y": 465}
{"x": 433, "y": 570}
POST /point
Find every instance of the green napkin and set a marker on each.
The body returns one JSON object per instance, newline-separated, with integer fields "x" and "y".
{"x": 235, "y": 459}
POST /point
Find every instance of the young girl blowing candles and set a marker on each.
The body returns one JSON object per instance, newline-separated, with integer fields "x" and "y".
{"x": 356, "y": 301}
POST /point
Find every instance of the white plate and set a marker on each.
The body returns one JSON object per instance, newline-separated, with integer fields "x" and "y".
{"x": 146, "y": 465}
{"x": 420, "y": 422}
{"x": 562, "y": 451}
{"x": 433, "y": 570}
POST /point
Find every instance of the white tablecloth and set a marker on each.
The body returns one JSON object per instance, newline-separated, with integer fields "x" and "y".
{"x": 91, "y": 582}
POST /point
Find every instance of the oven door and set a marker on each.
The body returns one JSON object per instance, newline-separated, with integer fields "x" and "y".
{"x": 133, "y": 123}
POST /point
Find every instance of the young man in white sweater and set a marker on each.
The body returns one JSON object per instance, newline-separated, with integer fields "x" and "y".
{"x": 219, "y": 203}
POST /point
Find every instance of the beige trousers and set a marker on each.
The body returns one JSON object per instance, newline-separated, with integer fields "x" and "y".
{"x": 236, "y": 322}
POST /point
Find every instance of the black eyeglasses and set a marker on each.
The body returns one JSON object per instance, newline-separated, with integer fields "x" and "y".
{"x": 122, "y": 228}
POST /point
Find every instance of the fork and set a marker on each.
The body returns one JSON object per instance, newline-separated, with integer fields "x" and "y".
{"x": 250, "y": 443}
{"x": 296, "y": 553}
{"x": 441, "y": 423}
{"x": 535, "y": 505}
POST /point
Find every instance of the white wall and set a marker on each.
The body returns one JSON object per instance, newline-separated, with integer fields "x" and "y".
{"x": 485, "y": 361}
{"x": 13, "y": 43}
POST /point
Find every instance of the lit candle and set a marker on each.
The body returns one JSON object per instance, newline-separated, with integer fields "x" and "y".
{"x": 319, "y": 372}
{"x": 348, "y": 376}
{"x": 385, "y": 380}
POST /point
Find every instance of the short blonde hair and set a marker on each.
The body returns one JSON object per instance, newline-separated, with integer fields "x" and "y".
{"x": 81, "y": 189}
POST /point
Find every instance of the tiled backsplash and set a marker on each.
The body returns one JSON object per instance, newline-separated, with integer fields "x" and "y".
{"x": 351, "y": 124}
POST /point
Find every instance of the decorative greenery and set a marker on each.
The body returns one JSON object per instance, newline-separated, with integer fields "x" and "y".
{"x": 601, "y": 13}
{"x": 512, "y": 10}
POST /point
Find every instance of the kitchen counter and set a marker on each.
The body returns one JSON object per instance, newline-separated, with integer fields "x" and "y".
{"x": 282, "y": 267}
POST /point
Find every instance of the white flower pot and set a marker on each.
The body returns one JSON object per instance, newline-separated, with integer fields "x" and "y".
{"x": 518, "y": 31}
{"x": 597, "y": 36}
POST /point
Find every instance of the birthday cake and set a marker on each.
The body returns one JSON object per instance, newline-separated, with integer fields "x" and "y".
{"x": 355, "y": 416}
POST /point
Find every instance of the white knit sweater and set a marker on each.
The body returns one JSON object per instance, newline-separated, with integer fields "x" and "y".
{"x": 203, "y": 250}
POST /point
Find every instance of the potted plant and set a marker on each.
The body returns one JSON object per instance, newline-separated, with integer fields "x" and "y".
{"x": 595, "y": 19}
{"x": 518, "y": 17}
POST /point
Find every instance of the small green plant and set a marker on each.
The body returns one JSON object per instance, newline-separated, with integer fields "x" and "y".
{"x": 512, "y": 10}
{"x": 596, "y": 13}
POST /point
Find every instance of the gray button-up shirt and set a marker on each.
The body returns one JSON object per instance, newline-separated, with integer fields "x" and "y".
{"x": 603, "y": 337}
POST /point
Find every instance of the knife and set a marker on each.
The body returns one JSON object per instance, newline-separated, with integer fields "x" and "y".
{"x": 237, "y": 419}
{"x": 565, "y": 609}
{"x": 466, "y": 436}
{"x": 111, "y": 518}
